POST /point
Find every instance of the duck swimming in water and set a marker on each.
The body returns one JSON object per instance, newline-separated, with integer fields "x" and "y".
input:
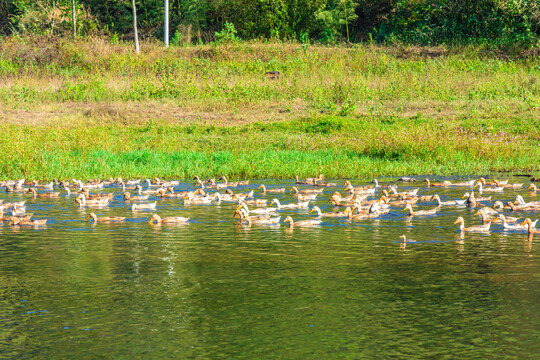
{"x": 167, "y": 220}
{"x": 106, "y": 219}
{"x": 476, "y": 228}
{"x": 302, "y": 223}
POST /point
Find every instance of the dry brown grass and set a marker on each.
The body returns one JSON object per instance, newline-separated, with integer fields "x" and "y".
{"x": 137, "y": 113}
{"x": 104, "y": 82}
{"x": 140, "y": 113}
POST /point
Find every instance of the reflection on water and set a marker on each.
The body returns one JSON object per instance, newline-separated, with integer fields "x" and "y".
{"x": 213, "y": 289}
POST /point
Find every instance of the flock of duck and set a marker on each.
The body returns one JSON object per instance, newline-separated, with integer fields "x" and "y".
{"x": 260, "y": 207}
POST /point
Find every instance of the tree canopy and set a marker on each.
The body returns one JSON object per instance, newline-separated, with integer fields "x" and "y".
{"x": 410, "y": 21}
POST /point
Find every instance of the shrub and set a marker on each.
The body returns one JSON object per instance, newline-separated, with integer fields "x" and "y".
{"x": 227, "y": 35}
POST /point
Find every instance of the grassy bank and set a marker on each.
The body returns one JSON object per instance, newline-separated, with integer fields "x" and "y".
{"x": 92, "y": 109}
{"x": 335, "y": 146}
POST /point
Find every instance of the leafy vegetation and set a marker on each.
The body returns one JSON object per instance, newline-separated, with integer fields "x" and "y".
{"x": 499, "y": 23}
{"x": 434, "y": 22}
{"x": 336, "y": 146}
{"x": 78, "y": 108}
{"x": 88, "y": 108}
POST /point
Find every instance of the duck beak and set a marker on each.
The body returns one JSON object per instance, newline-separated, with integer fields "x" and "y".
{"x": 310, "y": 211}
{"x": 477, "y": 213}
{"x": 455, "y": 222}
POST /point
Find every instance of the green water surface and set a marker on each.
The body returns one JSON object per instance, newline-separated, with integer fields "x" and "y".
{"x": 213, "y": 289}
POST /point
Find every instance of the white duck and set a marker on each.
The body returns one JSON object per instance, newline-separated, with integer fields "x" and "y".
{"x": 508, "y": 226}
{"x": 482, "y": 189}
{"x": 143, "y": 207}
{"x": 299, "y": 205}
{"x": 259, "y": 211}
{"x": 448, "y": 202}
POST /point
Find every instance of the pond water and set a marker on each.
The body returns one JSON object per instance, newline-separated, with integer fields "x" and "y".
{"x": 213, "y": 289}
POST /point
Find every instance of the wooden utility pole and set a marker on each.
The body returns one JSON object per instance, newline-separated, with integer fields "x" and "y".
{"x": 74, "y": 15}
{"x": 166, "y": 36}
{"x": 135, "y": 27}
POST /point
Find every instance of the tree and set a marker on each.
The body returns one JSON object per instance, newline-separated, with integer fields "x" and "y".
{"x": 350, "y": 15}
{"x": 73, "y": 13}
{"x": 335, "y": 15}
{"x": 136, "y": 34}
{"x": 166, "y": 30}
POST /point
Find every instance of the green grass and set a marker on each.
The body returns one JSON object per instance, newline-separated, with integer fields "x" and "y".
{"x": 333, "y": 145}
{"x": 92, "y": 109}
{"x": 230, "y": 79}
